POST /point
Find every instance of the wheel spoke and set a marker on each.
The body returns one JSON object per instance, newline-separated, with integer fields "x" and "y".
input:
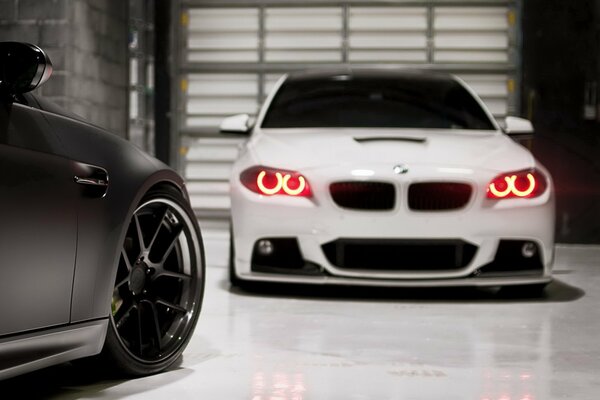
{"x": 139, "y": 329}
{"x": 156, "y": 324}
{"x": 138, "y": 229}
{"x": 175, "y": 307}
{"x": 171, "y": 274}
{"x": 176, "y": 232}
{"x": 157, "y": 230}
{"x": 126, "y": 259}
{"x": 122, "y": 282}
{"x": 123, "y": 317}
{"x": 127, "y": 266}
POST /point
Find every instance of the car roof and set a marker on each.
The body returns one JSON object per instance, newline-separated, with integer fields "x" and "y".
{"x": 371, "y": 73}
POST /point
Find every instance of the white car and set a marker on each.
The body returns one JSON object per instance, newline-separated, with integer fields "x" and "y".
{"x": 387, "y": 178}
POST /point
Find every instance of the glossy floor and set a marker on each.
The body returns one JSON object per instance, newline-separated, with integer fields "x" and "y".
{"x": 302, "y": 344}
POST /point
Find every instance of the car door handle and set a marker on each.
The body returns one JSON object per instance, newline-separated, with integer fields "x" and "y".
{"x": 90, "y": 181}
{"x": 94, "y": 179}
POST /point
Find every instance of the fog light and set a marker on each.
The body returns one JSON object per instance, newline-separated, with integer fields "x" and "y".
{"x": 265, "y": 247}
{"x": 529, "y": 249}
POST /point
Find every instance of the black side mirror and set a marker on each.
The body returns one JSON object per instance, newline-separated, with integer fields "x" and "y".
{"x": 23, "y": 67}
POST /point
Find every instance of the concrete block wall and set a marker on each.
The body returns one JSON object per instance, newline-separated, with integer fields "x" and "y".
{"x": 87, "y": 41}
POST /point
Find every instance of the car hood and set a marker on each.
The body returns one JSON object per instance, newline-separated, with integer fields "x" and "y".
{"x": 304, "y": 149}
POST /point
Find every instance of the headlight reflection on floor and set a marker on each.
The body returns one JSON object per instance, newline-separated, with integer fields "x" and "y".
{"x": 278, "y": 385}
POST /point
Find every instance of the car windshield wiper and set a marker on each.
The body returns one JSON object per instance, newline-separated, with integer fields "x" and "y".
{"x": 389, "y": 139}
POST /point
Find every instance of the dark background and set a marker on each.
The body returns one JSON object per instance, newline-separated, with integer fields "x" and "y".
{"x": 561, "y": 54}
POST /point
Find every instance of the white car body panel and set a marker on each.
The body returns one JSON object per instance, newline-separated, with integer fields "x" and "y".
{"x": 324, "y": 156}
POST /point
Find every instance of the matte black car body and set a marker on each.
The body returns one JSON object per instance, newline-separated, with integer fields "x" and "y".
{"x": 60, "y": 241}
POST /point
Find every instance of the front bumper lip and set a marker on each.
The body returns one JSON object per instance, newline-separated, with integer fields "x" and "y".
{"x": 454, "y": 282}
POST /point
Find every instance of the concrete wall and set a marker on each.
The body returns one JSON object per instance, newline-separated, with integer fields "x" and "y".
{"x": 87, "y": 41}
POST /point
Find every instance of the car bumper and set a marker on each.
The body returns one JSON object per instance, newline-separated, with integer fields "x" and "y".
{"x": 313, "y": 222}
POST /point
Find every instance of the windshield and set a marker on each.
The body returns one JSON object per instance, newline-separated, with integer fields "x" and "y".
{"x": 382, "y": 102}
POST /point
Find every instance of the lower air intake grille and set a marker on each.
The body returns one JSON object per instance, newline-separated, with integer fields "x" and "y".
{"x": 370, "y": 196}
{"x": 438, "y": 196}
{"x": 511, "y": 259}
{"x": 399, "y": 254}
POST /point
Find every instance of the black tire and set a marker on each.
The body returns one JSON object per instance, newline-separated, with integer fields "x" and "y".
{"x": 233, "y": 279}
{"x": 159, "y": 286}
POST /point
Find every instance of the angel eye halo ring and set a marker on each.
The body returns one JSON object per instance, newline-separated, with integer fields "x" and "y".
{"x": 519, "y": 184}
{"x": 274, "y": 181}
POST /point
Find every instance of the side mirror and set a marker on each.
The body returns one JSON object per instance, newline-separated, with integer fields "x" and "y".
{"x": 236, "y": 124}
{"x": 23, "y": 67}
{"x": 520, "y": 130}
{"x": 515, "y": 126}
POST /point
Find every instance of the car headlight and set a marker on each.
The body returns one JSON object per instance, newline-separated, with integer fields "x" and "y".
{"x": 519, "y": 184}
{"x": 273, "y": 181}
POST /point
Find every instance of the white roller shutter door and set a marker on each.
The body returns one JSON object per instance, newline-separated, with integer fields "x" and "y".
{"x": 232, "y": 56}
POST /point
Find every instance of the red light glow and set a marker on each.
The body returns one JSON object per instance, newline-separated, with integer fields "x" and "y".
{"x": 269, "y": 191}
{"x": 271, "y": 181}
{"x": 522, "y": 184}
{"x": 299, "y": 183}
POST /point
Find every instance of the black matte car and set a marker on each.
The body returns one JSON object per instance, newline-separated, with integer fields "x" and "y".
{"x": 100, "y": 252}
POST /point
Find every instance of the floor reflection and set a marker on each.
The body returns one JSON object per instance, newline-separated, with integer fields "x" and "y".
{"x": 295, "y": 343}
{"x": 278, "y": 386}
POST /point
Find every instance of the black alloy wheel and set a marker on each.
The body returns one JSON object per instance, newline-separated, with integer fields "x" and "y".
{"x": 159, "y": 286}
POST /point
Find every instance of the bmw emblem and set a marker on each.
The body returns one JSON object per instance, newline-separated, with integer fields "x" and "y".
{"x": 400, "y": 169}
